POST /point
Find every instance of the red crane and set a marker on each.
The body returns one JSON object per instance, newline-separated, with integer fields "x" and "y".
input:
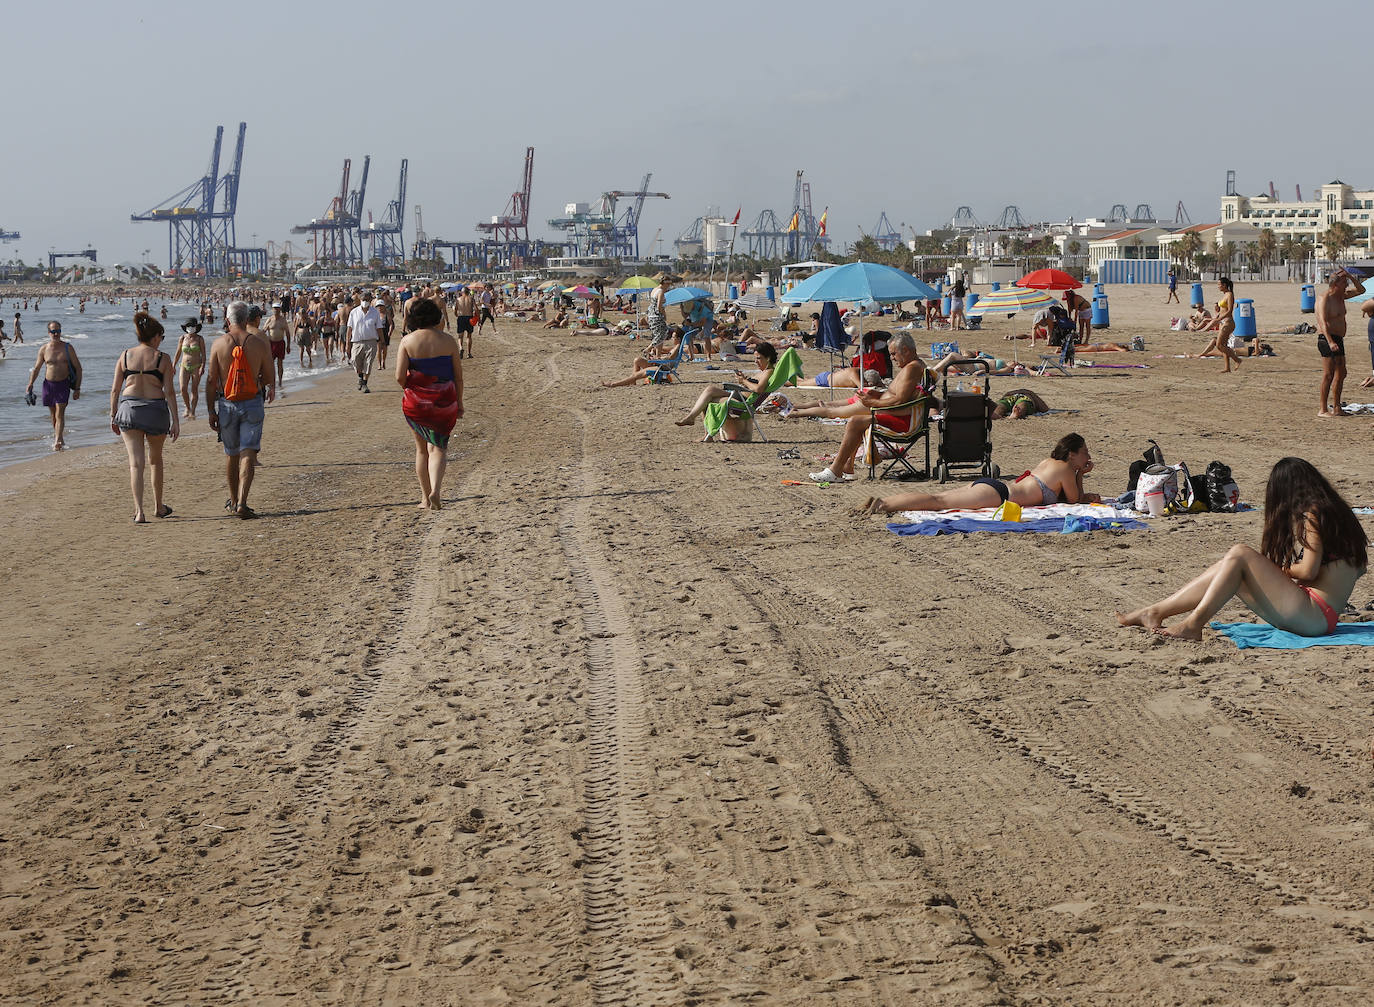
{"x": 514, "y": 223}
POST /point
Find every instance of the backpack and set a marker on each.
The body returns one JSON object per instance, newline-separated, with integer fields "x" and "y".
{"x": 239, "y": 384}
{"x": 1173, "y": 481}
{"x": 1152, "y": 456}
{"x": 1223, "y": 494}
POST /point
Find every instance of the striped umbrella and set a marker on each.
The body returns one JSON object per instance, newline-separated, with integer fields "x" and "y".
{"x": 1009, "y": 300}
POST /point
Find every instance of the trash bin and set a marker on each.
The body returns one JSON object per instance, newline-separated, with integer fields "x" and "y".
{"x": 1245, "y": 318}
{"x": 1196, "y": 299}
{"x": 944, "y": 305}
{"x": 734, "y": 291}
{"x": 1101, "y": 317}
{"x": 769, "y": 293}
{"x": 1308, "y": 300}
{"x": 970, "y": 301}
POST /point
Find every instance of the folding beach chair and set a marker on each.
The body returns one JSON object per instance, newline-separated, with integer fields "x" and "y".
{"x": 665, "y": 370}
{"x": 1061, "y": 361}
{"x": 745, "y": 401}
{"x": 896, "y": 445}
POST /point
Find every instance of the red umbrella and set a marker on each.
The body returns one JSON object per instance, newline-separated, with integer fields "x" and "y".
{"x": 1048, "y": 279}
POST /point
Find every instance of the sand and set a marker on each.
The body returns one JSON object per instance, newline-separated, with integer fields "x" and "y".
{"x": 632, "y": 722}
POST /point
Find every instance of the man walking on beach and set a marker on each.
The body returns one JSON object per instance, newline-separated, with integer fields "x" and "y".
{"x": 279, "y": 338}
{"x": 486, "y": 316}
{"x": 61, "y": 380}
{"x": 1173, "y": 288}
{"x": 364, "y": 325}
{"x": 237, "y": 381}
{"x": 463, "y": 310}
{"x": 1331, "y": 337}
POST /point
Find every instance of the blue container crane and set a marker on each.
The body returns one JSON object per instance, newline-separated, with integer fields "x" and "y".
{"x": 387, "y": 237}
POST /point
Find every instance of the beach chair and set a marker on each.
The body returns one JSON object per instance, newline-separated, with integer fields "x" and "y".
{"x": 892, "y": 448}
{"x": 663, "y": 371}
{"x": 745, "y": 401}
{"x": 1062, "y": 360}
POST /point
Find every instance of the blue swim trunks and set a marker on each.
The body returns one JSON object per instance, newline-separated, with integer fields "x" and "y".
{"x": 240, "y": 424}
{"x": 823, "y": 379}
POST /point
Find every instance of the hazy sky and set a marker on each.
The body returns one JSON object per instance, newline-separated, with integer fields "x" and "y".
{"x": 913, "y": 108}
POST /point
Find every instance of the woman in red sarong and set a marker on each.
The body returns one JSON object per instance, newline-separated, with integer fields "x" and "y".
{"x": 429, "y": 369}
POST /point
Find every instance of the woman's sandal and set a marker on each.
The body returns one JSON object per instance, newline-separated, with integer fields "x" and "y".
{"x": 165, "y": 512}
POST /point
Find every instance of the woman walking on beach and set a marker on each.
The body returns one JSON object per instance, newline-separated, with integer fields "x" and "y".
{"x": 190, "y": 365}
{"x": 143, "y": 409}
{"x": 1226, "y": 324}
{"x": 429, "y": 368}
{"x": 1311, "y": 553}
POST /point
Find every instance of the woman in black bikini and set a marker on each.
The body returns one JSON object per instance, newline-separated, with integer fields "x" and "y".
{"x": 1311, "y": 553}
{"x": 143, "y": 409}
{"x": 1057, "y": 479}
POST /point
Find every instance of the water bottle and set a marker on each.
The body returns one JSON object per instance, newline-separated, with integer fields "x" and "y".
{"x": 959, "y": 386}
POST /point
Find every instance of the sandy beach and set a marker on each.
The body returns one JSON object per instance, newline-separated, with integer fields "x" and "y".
{"x": 630, "y": 721}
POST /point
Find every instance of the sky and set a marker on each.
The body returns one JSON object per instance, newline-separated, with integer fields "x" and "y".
{"x": 909, "y": 108}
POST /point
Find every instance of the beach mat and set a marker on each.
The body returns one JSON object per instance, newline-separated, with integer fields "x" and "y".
{"x": 1055, "y": 518}
{"x": 1246, "y": 635}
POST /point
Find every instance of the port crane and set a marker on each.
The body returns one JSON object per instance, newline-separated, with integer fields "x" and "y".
{"x": 337, "y": 236}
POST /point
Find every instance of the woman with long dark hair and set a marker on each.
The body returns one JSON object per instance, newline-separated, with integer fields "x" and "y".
{"x": 1226, "y": 325}
{"x": 1311, "y": 553}
{"x": 1057, "y": 479}
{"x": 429, "y": 370}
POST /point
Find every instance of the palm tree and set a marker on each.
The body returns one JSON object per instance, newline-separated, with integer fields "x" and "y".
{"x": 1189, "y": 246}
{"x": 1265, "y": 245}
{"x": 1226, "y": 255}
{"x": 1337, "y": 238}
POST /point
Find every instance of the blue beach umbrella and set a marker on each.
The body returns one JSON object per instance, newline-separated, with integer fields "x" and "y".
{"x": 856, "y": 282}
{"x": 680, "y": 294}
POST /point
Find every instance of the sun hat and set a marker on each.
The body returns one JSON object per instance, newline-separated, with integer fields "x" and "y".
{"x": 191, "y": 323}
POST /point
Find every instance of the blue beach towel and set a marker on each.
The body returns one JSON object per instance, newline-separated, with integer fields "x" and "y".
{"x": 1065, "y": 525}
{"x": 1258, "y": 634}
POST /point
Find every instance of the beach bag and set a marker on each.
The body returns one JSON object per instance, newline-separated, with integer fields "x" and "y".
{"x": 1223, "y": 495}
{"x": 239, "y": 383}
{"x": 1172, "y": 481}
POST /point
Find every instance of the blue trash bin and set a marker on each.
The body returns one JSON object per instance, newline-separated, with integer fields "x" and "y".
{"x": 1195, "y": 299}
{"x": 1101, "y": 317}
{"x": 734, "y": 291}
{"x": 1245, "y": 318}
{"x": 996, "y": 286}
{"x": 769, "y": 293}
{"x": 1308, "y": 299}
{"x": 944, "y": 305}
{"x": 970, "y": 301}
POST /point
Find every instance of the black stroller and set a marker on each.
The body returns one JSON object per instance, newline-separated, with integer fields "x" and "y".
{"x": 966, "y": 429}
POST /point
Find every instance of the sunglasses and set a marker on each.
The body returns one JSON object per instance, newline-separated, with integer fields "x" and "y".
{"x": 54, "y": 332}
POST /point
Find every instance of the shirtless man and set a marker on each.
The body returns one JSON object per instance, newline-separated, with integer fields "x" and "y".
{"x": 239, "y": 423}
{"x": 1331, "y": 337}
{"x": 382, "y": 303}
{"x": 463, "y": 310}
{"x": 279, "y": 337}
{"x": 54, "y": 356}
{"x": 906, "y": 385}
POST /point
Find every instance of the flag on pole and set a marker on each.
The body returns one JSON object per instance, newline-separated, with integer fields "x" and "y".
{"x": 737, "y": 213}
{"x": 795, "y": 223}
{"x": 821, "y": 233}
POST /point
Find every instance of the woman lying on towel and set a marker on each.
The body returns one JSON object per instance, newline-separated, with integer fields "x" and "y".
{"x": 1057, "y": 479}
{"x": 1312, "y": 551}
{"x": 428, "y": 368}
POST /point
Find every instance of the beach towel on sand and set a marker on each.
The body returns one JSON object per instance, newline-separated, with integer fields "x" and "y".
{"x": 1062, "y": 518}
{"x": 789, "y": 366}
{"x": 1260, "y": 634}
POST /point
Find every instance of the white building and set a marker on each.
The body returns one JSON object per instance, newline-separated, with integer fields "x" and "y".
{"x": 1336, "y": 202}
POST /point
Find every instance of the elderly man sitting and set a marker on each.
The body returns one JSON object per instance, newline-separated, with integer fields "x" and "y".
{"x": 907, "y": 384}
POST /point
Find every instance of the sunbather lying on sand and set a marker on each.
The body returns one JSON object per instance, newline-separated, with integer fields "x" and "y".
{"x": 1057, "y": 479}
{"x": 558, "y": 321}
{"x": 965, "y": 364}
{"x": 1018, "y": 404}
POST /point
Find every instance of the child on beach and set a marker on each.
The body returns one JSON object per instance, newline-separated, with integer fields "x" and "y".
{"x": 1312, "y": 552}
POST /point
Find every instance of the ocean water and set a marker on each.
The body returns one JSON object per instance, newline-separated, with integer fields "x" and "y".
{"x": 99, "y": 336}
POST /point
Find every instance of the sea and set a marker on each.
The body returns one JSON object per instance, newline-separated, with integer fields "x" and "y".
{"x": 99, "y": 336}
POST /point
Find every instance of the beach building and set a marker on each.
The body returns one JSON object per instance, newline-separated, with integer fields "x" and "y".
{"x": 1336, "y": 202}
{"x": 1134, "y": 243}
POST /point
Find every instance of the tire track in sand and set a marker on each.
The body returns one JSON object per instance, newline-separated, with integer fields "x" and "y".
{"x": 626, "y": 930}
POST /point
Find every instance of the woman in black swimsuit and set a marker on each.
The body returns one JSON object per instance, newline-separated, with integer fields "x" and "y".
{"x": 143, "y": 409}
{"x": 1057, "y": 479}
